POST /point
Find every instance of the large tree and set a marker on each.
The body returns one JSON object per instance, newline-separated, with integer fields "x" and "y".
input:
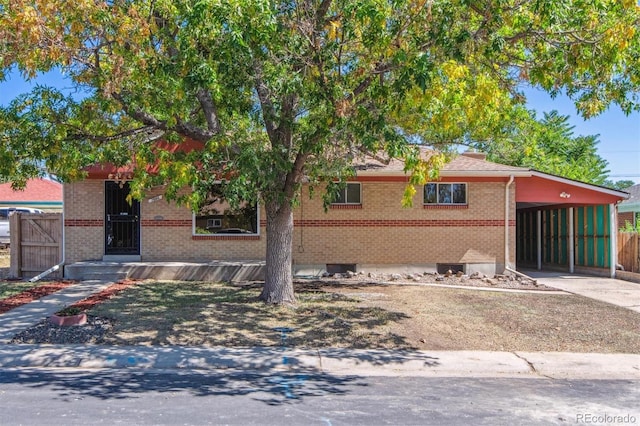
{"x": 549, "y": 145}
{"x": 277, "y": 91}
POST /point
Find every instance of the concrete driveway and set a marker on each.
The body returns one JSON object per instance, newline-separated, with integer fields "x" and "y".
{"x": 616, "y": 292}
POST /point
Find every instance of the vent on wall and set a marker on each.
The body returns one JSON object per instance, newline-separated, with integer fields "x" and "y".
{"x": 340, "y": 268}
{"x": 453, "y": 267}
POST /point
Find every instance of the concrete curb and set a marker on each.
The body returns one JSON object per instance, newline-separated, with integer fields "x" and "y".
{"x": 339, "y": 362}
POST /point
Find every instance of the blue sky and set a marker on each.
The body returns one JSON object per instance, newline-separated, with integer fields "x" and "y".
{"x": 619, "y": 134}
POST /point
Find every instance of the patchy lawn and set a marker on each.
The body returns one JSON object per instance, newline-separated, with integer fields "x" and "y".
{"x": 367, "y": 316}
{"x": 11, "y": 288}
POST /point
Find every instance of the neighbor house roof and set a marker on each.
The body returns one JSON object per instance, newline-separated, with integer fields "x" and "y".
{"x": 632, "y": 204}
{"x": 38, "y": 193}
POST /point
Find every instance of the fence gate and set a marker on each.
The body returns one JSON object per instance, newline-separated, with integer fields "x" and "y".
{"x": 36, "y": 244}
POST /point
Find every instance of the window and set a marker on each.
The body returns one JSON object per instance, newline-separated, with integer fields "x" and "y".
{"x": 350, "y": 194}
{"x": 445, "y": 193}
{"x": 217, "y": 217}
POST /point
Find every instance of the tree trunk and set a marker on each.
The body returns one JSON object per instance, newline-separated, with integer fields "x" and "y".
{"x": 278, "y": 280}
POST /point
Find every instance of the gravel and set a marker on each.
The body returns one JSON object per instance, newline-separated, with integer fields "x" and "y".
{"x": 93, "y": 332}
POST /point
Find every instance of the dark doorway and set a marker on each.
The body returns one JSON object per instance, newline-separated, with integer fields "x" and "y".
{"x": 122, "y": 219}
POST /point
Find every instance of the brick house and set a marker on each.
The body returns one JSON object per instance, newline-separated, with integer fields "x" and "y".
{"x": 629, "y": 210}
{"x": 479, "y": 216}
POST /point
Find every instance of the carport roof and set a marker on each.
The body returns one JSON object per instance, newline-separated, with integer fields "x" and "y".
{"x": 544, "y": 189}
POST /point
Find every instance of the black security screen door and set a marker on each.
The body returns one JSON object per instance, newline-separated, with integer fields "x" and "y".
{"x": 122, "y": 219}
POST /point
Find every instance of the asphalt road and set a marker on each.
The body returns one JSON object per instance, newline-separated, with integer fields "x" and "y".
{"x": 172, "y": 397}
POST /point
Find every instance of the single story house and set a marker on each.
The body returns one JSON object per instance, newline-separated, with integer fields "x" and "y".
{"x": 629, "y": 210}
{"x": 479, "y": 216}
{"x": 40, "y": 193}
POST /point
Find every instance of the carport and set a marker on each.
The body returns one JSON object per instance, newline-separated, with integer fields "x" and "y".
{"x": 567, "y": 225}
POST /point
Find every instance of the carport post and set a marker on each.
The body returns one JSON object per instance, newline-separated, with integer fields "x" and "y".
{"x": 571, "y": 242}
{"x": 539, "y": 238}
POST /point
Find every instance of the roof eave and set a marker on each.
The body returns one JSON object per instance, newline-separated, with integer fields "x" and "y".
{"x": 579, "y": 184}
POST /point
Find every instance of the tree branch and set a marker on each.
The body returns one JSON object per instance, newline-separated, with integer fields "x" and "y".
{"x": 209, "y": 109}
{"x": 268, "y": 110}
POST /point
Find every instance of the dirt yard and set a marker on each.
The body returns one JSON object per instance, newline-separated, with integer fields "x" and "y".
{"x": 353, "y": 313}
{"x": 361, "y": 315}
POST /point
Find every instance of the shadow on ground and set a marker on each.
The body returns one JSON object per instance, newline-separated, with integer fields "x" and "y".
{"x": 272, "y": 389}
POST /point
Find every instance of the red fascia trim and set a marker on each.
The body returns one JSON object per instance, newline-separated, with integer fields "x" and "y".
{"x": 405, "y": 179}
{"x": 388, "y": 223}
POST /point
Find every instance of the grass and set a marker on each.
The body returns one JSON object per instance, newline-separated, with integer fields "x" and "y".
{"x": 368, "y": 316}
{"x": 11, "y": 288}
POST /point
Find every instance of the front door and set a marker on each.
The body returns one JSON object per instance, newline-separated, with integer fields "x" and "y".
{"x": 122, "y": 221}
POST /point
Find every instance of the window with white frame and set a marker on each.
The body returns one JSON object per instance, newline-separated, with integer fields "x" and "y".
{"x": 445, "y": 193}
{"x": 350, "y": 194}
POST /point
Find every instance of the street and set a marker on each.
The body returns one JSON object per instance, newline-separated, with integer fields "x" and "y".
{"x": 187, "y": 397}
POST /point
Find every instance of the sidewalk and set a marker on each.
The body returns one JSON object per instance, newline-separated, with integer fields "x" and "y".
{"x": 333, "y": 361}
{"x": 338, "y": 362}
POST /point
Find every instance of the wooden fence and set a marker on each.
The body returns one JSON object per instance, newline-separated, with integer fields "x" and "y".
{"x": 36, "y": 244}
{"x": 628, "y": 251}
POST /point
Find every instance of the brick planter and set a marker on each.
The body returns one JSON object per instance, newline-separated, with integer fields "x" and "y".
{"x": 68, "y": 320}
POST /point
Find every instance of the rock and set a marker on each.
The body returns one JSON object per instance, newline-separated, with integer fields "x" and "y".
{"x": 395, "y": 277}
{"x": 477, "y": 276}
{"x": 325, "y": 274}
{"x": 459, "y": 274}
{"x": 337, "y": 275}
{"x": 416, "y": 277}
{"x": 350, "y": 274}
{"x": 372, "y": 275}
{"x": 448, "y": 273}
{"x": 439, "y": 278}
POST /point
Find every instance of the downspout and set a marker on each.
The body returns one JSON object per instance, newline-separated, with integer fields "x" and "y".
{"x": 613, "y": 241}
{"x": 506, "y": 224}
{"x": 64, "y": 251}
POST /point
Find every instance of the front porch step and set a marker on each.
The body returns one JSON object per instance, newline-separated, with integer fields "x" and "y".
{"x": 105, "y": 276}
{"x": 184, "y": 271}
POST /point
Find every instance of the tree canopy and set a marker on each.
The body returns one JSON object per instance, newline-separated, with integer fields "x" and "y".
{"x": 548, "y": 145}
{"x": 280, "y": 90}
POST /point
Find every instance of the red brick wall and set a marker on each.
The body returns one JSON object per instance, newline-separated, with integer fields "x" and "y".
{"x": 625, "y": 217}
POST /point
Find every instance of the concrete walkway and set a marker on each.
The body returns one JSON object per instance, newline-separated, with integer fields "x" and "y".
{"x": 330, "y": 361}
{"x": 616, "y": 292}
{"x": 25, "y": 316}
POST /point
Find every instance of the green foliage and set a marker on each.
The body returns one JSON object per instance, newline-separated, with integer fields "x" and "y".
{"x": 629, "y": 227}
{"x": 547, "y": 145}
{"x": 281, "y": 92}
{"x": 619, "y": 184}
